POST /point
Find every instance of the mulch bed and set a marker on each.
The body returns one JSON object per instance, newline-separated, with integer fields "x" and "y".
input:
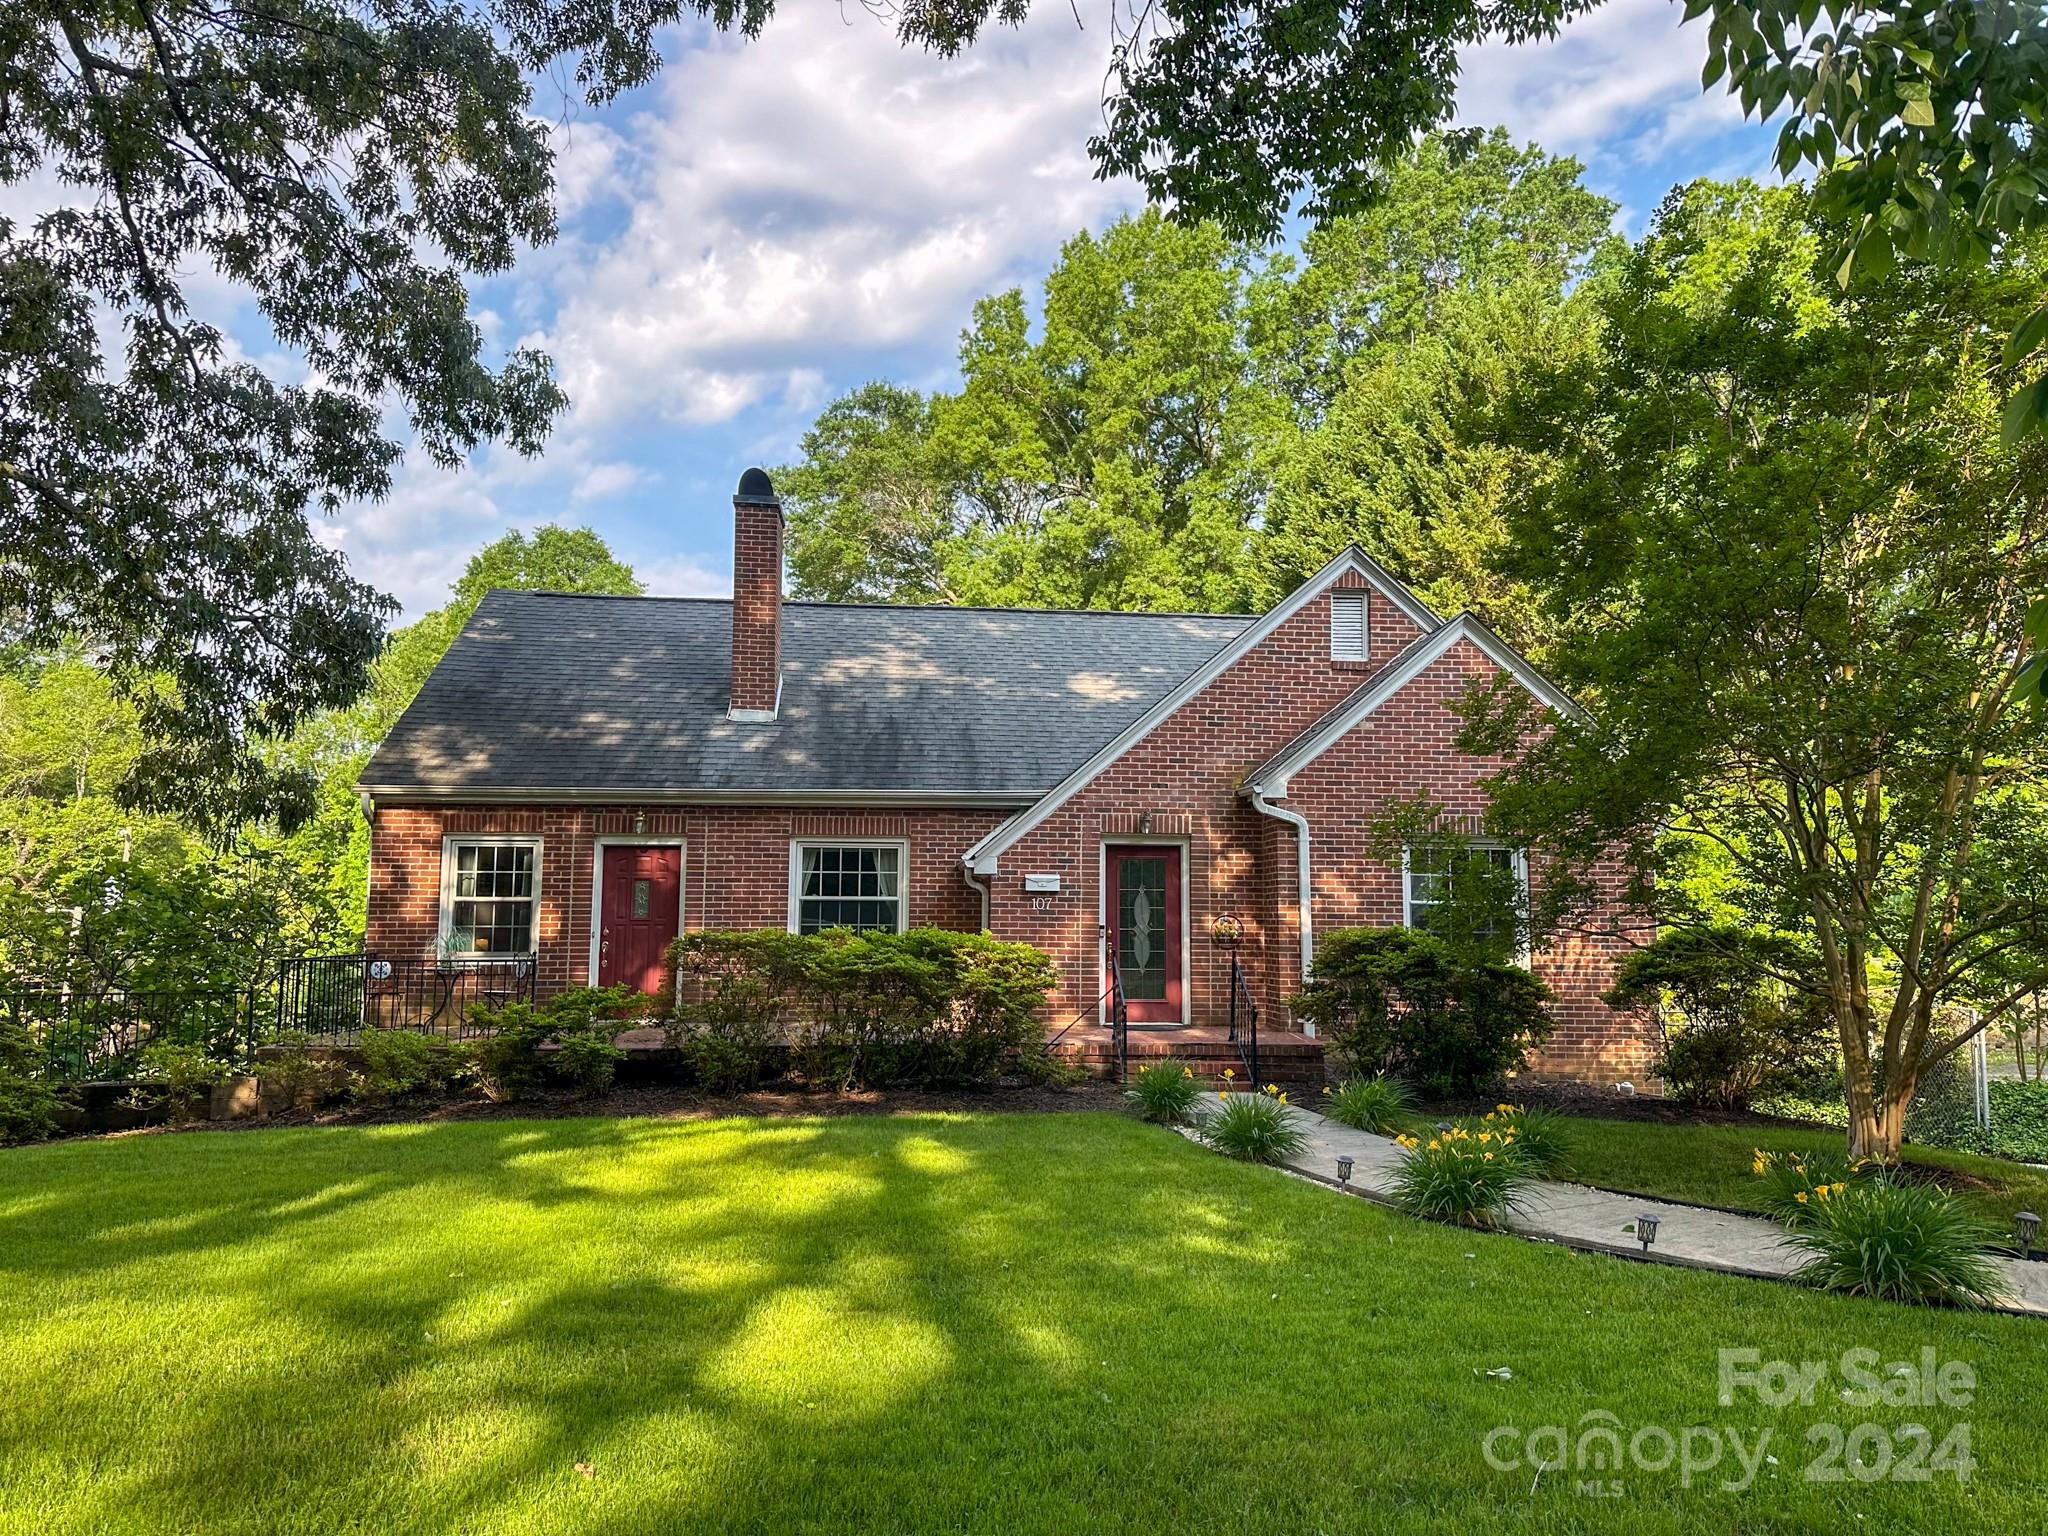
{"x": 653, "y": 1101}
{"x": 1605, "y": 1104}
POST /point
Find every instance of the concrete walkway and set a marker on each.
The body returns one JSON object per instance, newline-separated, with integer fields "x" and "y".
{"x": 1600, "y": 1220}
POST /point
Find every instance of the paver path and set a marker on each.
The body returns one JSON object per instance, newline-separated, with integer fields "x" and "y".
{"x": 1600, "y": 1219}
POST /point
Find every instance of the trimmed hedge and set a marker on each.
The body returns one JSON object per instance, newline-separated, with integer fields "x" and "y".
{"x": 1397, "y": 1002}
{"x": 930, "y": 1007}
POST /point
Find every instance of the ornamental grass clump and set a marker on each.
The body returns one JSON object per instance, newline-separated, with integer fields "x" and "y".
{"x": 1371, "y": 1104}
{"x": 1539, "y": 1136}
{"x": 1464, "y": 1177}
{"x": 1254, "y": 1127}
{"x": 1164, "y": 1092}
{"x": 1797, "y": 1186}
{"x": 1900, "y": 1242}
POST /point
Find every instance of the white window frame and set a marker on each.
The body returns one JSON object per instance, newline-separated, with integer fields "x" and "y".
{"x": 797, "y": 845}
{"x": 452, "y": 841}
{"x": 1341, "y": 599}
{"x": 1519, "y": 861}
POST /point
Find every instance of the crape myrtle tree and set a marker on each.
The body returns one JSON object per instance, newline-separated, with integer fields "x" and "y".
{"x": 1788, "y": 556}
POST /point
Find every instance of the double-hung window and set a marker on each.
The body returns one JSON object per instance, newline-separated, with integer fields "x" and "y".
{"x": 1428, "y": 870}
{"x": 847, "y": 885}
{"x": 490, "y": 895}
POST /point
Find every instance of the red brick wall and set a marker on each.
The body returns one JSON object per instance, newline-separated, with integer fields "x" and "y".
{"x": 735, "y": 867}
{"x": 1406, "y": 746}
{"x": 1185, "y": 776}
{"x": 756, "y": 605}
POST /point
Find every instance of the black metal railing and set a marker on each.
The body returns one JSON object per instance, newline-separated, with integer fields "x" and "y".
{"x": 333, "y": 998}
{"x": 1119, "y": 1010}
{"x": 1244, "y": 1021}
{"x": 83, "y": 1034}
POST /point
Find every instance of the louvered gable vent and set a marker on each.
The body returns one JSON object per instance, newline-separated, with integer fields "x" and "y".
{"x": 1348, "y": 637}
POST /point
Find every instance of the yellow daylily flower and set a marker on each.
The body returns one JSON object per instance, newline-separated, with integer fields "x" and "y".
{"x": 1799, "y": 1195}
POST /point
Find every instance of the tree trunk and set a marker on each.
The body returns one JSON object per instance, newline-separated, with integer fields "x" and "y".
{"x": 1880, "y": 1133}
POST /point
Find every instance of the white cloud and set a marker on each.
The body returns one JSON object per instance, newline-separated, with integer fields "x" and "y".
{"x": 613, "y": 478}
{"x": 682, "y": 576}
{"x": 820, "y": 192}
{"x": 1622, "y": 80}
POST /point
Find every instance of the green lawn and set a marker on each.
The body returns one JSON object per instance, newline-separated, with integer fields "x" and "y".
{"x": 1007, "y": 1324}
{"x": 1710, "y": 1164}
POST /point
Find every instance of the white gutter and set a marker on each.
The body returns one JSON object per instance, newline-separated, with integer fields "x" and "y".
{"x": 1306, "y": 896}
{"x": 980, "y": 889}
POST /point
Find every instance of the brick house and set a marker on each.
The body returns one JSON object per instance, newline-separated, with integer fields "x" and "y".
{"x": 583, "y": 777}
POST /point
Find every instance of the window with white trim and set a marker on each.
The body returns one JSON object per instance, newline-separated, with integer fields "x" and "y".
{"x": 490, "y": 895}
{"x": 847, "y": 885}
{"x": 1428, "y": 873}
{"x": 1350, "y": 631}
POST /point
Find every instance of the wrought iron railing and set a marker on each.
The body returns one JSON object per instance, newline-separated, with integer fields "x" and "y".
{"x": 1119, "y": 1010}
{"x": 333, "y": 998}
{"x": 1244, "y": 1021}
{"x": 92, "y": 1033}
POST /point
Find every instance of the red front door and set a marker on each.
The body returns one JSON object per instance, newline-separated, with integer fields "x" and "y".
{"x": 639, "y": 902}
{"x": 1145, "y": 928}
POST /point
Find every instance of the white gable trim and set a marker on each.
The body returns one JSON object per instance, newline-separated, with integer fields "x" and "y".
{"x": 981, "y": 858}
{"x": 1271, "y": 778}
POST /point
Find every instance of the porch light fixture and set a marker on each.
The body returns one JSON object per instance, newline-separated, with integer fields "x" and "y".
{"x": 2027, "y": 1225}
{"x": 1343, "y": 1173}
{"x": 639, "y": 823}
{"x": 1145, "y": 824}
{"x": 1646, "y": 1229}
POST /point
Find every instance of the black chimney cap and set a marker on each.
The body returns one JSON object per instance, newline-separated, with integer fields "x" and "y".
{"x": 756, "y": 488}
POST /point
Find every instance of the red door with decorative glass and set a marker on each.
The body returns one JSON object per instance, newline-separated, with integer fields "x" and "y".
{"x": 1145, "y": 927}
{"x": 640, "y": 903}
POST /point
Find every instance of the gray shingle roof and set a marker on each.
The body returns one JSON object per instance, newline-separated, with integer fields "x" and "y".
{"x": 598, "y": 695}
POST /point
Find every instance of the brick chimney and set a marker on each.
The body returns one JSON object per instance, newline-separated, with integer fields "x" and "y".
{"x": 756, "y": 599}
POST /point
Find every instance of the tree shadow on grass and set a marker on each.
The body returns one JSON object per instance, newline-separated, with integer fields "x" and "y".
{"x": 944, "y": 1323}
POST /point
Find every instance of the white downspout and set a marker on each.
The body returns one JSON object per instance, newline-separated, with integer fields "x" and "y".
{"x": 980, "y": 888}
{"x": 1306, "y": 893}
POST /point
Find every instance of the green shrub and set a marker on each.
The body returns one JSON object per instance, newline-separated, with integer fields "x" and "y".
{"x": 1402, "y": 1003}
{"x": 1733, "y": 1030}
{"x": 29, "y": 1100}
{"x": 720, "y": 1063}
{"x": 1541, "y": 1136}
{"x": 566, "y": 1041}
{"x": 1467, "y": 1178}
{"x": 868, "y": 1010}
{"x": 1164, "y": 1092}
{"x": 298, "y": 1075}
{"x": 1901, "y": 1242}
{"x": 1797, "y": 1187}
{"x": 1367, "y": 1103}
{"x": 1254, "y": 1127}
{"x": 2019, "y": 1121}
{"x": 178, "y": 1075}
{"x": 396, "y": 1063}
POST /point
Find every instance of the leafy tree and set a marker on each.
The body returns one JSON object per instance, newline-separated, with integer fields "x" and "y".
{"x": 1198, "y": 427}
{"x": 1109, "y": 463}
{"x": 344, "y": 164}
{"x": 1788, "y": 559}
{"x": 65, "y": 732}
{"x": 870, "y": 506}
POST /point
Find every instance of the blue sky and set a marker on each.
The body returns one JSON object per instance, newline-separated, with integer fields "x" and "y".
{"x": 770, "y": 223}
